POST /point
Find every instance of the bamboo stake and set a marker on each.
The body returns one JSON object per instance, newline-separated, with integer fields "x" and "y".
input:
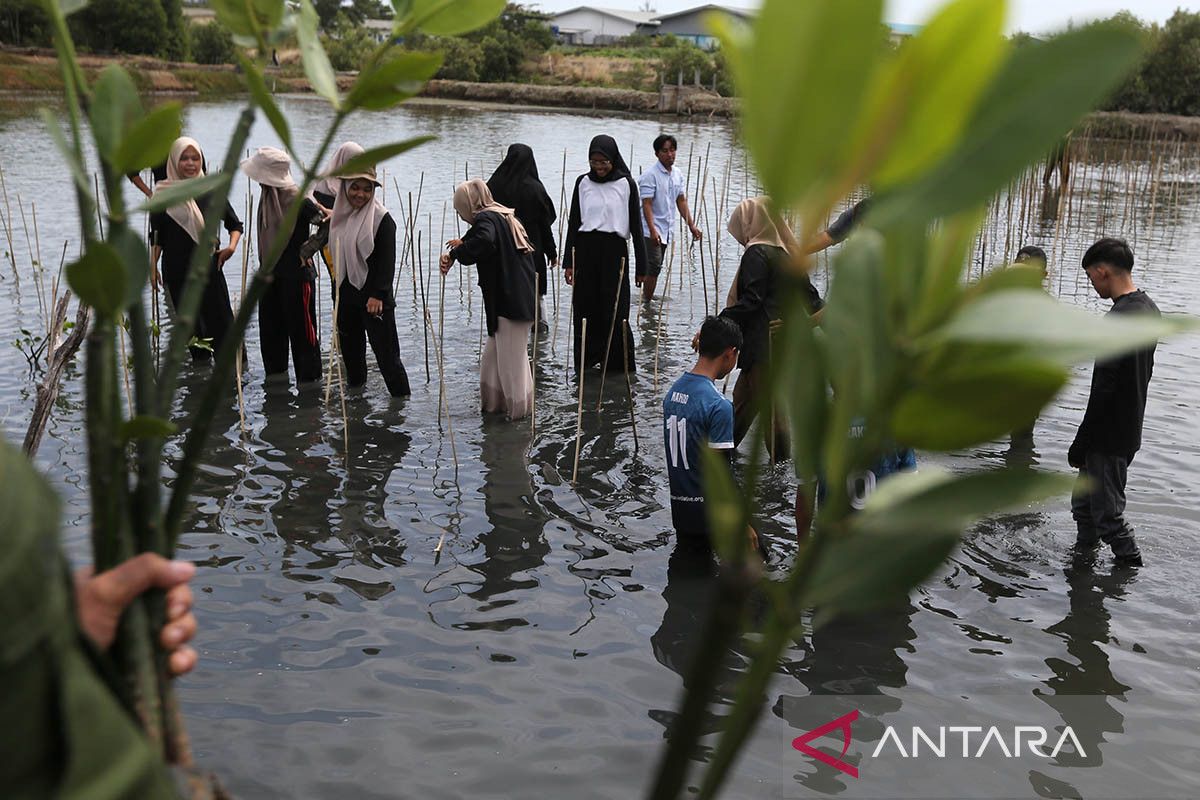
{"x": 241, "y": 299}
{"x": 445, "y": 401}
{"x": 424, "y": 308}
{"x": 41, "y": 296}
{"x": 571, "y": 348}
{"x": 440, "y": 334}
{"x": 659, "y": 323}
{"x": 579, "y": 414}
{"x": 611, "y": 331}
{"x": 629, "y": 392}
{"x": 8, "y": 229}
{"x": 536, "y": 310}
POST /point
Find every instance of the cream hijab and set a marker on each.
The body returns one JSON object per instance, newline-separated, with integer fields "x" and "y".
{"x": 352, "y": 234}
{"x": 333, "y": 186}
{"x": 271, "y": 168}
{"x": 473, "y": 196}
{"x": 753, "y": 223}
{"x": 186, "y": 215}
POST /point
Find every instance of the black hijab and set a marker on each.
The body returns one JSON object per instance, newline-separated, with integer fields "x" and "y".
{"x": 515, "y": 183}
{"x": 607, "y": 146}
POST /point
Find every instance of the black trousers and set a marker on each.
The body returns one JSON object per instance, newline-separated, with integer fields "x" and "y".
{"x": 356, "y": 327}
{"x": 216, "y": 312}
{"x": 287, "y": 316}
{"x": 598, "y": 287}
{"x": 1099, "y": 510}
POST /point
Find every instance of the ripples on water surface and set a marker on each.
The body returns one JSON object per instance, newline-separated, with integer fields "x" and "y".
{"x": 539, "y": 655}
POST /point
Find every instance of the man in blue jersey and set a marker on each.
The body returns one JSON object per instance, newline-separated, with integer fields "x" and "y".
{"x": 696, "y": 415}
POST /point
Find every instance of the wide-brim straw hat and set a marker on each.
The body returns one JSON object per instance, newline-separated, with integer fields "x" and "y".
{"x": 365, "y": 174}
{"x": 269, "y": 166}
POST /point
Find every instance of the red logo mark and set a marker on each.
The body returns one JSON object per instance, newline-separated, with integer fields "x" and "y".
{"x": 843, "y": 723}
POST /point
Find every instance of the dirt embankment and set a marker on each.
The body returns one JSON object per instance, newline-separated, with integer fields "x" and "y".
{"x": 26, "y": 71}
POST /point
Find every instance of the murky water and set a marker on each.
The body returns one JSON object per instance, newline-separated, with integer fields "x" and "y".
{"x": 539, "y": 655}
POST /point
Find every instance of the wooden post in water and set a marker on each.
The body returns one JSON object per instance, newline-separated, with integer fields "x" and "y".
{"x": 629, "y": 391}
{"x": 579, "y": 411}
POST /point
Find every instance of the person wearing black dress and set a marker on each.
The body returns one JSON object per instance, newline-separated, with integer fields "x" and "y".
{"x": 756, "y": 309}
{"x": 498, "y": 243}
{"x": 287, "y": 312}
{"x": 176, "y": 232}
{"x": 605, "y": 215}
{"x": 516, "y": 184}
{"x": 362, "y": 242}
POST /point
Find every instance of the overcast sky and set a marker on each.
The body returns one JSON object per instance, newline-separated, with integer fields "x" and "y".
{"x": 1036, "y": 16}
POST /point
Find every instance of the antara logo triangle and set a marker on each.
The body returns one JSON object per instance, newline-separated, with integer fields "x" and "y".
{"x": 842, "y": 723}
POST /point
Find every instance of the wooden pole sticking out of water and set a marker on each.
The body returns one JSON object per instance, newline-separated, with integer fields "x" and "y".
{"x": 241, "y": 299}
{"x": 659, "y": 322}
{"x": 8, "y": 229}
{"x": 444, "y": 403}
{"x": 533, "y": 403}
{"x": 629, "y": 390}
{"x": 611, "y": 330}
{"x": 579, "y": 411}
{"x": 570, "y": 348}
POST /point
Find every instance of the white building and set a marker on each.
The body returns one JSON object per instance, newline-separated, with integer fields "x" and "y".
{"x": 590, "y": 25}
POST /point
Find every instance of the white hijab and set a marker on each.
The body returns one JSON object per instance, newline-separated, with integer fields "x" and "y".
{"x": 352, "y": 234}
{"x": 186, "y": 215}
{"x": 345, "y": 152}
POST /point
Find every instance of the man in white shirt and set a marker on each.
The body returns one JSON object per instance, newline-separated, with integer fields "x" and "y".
{"x": 662, "y": 192}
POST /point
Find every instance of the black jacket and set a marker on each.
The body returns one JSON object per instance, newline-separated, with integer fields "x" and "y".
{"x": 758, "y": 284}
{"x": 505, "y": 273}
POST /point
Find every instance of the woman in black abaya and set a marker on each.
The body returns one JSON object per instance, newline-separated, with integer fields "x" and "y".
{"x": 605, "y": 211}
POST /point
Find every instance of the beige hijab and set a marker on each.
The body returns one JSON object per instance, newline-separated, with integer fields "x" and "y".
{"x": 752, "y": 223}
{"x": 271, "y": 168}
{"x": 333, "y": 186}
{"x": 352, "y": 235}
{"x": 473, "y": 196}
{"x": 186, "y": 215}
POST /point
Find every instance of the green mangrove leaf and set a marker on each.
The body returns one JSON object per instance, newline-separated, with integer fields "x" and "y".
{"x": 135, "y": 259}
{"x": 99, "y": 278}
{"x": 1036, "y": 97}
{"x": 115, "y": 109}
{"x": 236, "y": 15}
{"x": 940, "y": 290}
{"x": 811, "y": 55}
{"x": 724, "y": 505}
{"x": 264, "y": 100}
{"x": 149, "y": 141}
{"x": 393, "y": 81}
{"x": 69, "y": 7}
{"x": 1014, "y": 276}
{"x": 858, "y": 345}
{"x": 401, "y": 9}
{"x": 268, "y": 13}
{"x": 1053, "y": 331}
{"x": 981, "y": 396}
{"x": 453, "y": 17}
{"x": 935, "y": 82}
{"x": 803, "y": 391}
{"x": 185, "y": 190}
{"x": 379, "y": 154}
{"x": 312, "y": 54}
{"x": 932, "y": 497}
{"x": 68, "y": 153}
{"x": 146, "y": 427}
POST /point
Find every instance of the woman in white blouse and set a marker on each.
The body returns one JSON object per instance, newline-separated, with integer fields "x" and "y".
{"x": 605, "y": 210}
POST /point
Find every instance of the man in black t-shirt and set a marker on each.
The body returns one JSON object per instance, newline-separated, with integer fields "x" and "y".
{"x": 1111, "y": 431}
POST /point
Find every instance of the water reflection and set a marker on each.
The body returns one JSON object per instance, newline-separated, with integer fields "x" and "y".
{"x": 514, "y": 546}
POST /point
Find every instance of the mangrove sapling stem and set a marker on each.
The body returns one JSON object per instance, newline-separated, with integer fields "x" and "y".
{"x": 424, "y": 305}
{"x": 611, "y": 331}
{"x": 47, "y": 303}
{"x": 57, "y": 359}
{"x": 8, "y": 231}
{"x": 629, "y": 391}
{"x": 444, "y": 403}
{"x": 33, "y": 264}
{"x": 242, "y": 299}
{"x": 533, "y": 370}
{"x": 579, "y": 410}
{"x": 440, "y": 335}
